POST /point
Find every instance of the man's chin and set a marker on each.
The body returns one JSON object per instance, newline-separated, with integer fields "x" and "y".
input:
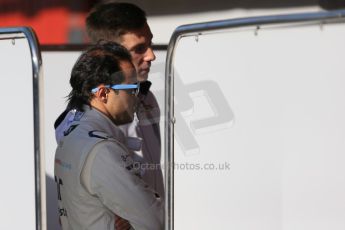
{"x": 143, "y": 76}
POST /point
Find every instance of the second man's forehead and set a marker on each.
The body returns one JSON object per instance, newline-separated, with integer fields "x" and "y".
{"x": 140, "y": 33}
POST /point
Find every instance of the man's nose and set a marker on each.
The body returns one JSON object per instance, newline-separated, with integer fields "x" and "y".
{"x": 150, "y": 55}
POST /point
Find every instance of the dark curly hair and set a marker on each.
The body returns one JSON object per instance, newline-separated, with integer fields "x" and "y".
{"x": 100, "y": 64}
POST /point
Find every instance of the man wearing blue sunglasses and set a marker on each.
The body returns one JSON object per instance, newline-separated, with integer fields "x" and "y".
{"x": 97, "y": 179}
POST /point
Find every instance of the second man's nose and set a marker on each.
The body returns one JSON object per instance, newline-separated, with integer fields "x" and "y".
{"x": 150, "y": 55}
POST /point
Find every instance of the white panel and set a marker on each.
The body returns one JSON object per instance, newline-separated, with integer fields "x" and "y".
{"x": 266, "y": 110}
{"x": 17, "y": 171}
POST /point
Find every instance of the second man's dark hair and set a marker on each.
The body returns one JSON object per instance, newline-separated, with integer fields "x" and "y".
{"x": 111, "y": 20}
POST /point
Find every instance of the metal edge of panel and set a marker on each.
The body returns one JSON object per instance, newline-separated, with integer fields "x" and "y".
{"x": 169, "y": 135}
{"x": 38, "y": 129}
{"x": 257, "y": 21}
{"x": 197, "y": 29}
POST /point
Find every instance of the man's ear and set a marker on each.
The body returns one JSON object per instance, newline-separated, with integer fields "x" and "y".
{"x": 102, "y": 94}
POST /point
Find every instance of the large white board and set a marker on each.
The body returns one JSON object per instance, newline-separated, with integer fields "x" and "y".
{"x": 20, "y": 195}
{"x": 260, "y": 129}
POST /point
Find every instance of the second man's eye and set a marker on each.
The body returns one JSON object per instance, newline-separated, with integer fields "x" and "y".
{"x": 140, "y": 49}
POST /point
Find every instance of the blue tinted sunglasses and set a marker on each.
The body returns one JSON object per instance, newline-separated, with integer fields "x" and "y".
{"x": 132, "y": 89}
